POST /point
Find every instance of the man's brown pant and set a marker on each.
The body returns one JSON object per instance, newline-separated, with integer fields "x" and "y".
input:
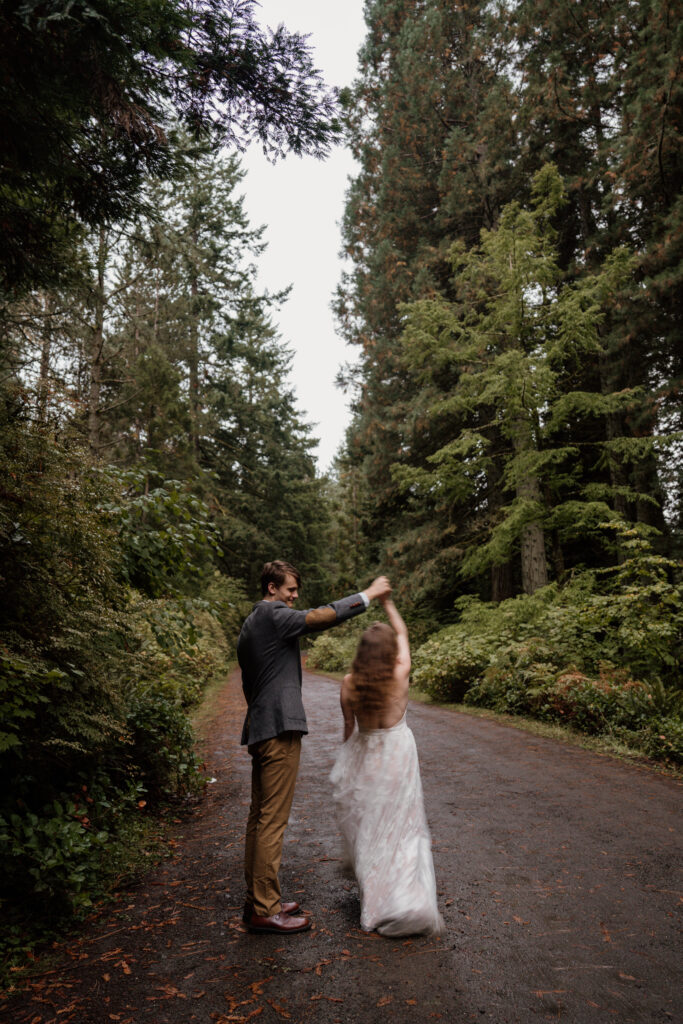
{"x": 274, "y": 768}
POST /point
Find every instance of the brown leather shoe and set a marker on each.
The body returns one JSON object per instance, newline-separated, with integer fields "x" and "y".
{"x": 283, "y": 924}
{"x": 285, "y": 908}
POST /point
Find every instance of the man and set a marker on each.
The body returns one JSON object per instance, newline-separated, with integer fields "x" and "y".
{"x": 268, "y": 653}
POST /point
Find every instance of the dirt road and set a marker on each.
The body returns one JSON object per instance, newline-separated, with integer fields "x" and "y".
{"x": 558, "y": 873}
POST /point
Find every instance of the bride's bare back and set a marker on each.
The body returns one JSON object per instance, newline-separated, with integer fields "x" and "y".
{"x": 395, "y": 697}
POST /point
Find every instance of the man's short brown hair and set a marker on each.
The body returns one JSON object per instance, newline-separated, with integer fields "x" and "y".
{"x": 277, "y": 572}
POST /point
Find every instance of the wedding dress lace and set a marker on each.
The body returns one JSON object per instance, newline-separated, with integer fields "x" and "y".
{"x": 377, "y": 793}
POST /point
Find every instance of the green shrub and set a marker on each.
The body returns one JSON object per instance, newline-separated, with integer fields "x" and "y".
{"x": 96, "y": 681}
{"x": 602, "y": 654}
{"x": 55, "y": 857}
{"x": 517, "y": 680}
{"x": 663, "y": 740}
{"x": 165, "y": 533}
{"x": 646, "y": 716}
{"x": 162, "y": 741}
{"x": 449, "y": 663}
{"x": 333, "y": 650}
{"x": 52, "y": 857}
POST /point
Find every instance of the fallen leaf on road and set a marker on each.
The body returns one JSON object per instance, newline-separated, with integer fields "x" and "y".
{"x": 384, "y": 1001}
{"x": 234, "y": 1017}
{"x": 234, "y": 1001}
{"x": 111, "y": 954}
{"x": 238, "y": 1018}
{"x": 606, "y": 937}
{"x": 257, "y": 986}
{"x": 279, "y": 1009}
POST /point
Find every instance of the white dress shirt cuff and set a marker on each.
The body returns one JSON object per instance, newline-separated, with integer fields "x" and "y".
{"x": 365, "y": 597}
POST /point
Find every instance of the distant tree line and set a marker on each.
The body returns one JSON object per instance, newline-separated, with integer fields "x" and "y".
{"x": 514, "y": 291}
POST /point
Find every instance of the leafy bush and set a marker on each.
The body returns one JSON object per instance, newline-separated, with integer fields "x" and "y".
{"x": 645, "y": 716}
{"x": 162, "y": 741}
{"x": 602, "y": 654}
{"x": 333, "y": 650}
{"x": 96, "y": 680}
{"x": 53, "y": 857}
{"x": 449, "y": 663}
{"x": 165, "y": 533}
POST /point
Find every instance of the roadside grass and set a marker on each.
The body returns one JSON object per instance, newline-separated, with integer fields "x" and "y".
{"x": 203, "y": 715}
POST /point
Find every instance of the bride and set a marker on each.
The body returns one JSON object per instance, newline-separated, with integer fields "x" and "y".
{"x": 377, "y": 789}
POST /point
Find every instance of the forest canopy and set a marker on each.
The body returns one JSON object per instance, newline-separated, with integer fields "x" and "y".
{"x": 93, "y": 93}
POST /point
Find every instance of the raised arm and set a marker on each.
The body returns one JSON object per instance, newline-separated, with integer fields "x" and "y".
{"x": 400, "y": 629}
{"x": 293, "y": 623}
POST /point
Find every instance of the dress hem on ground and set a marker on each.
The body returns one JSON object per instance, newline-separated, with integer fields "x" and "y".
{"x": 377, "y": 793}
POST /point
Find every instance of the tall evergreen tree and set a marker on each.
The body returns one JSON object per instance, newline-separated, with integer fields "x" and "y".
{"x": 601, "y": 98}
{"x": 427, "y": 175}
{"x": 512, "y": 331}
{"x": 595, "y": 90}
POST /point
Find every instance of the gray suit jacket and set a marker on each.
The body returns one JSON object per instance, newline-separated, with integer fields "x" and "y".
{"x": 268, "y": 653}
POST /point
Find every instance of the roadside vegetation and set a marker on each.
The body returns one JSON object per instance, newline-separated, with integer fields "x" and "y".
{"x": 98, "y": 677}
{"x": 145, "y": 412}
{"x": 601, "y": 655}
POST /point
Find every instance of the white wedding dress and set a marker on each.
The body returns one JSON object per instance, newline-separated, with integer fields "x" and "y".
{"x": 377, "y": 793}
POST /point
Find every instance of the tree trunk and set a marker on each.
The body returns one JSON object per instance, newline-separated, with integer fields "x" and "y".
{"x": 193, "y": 364}
{"x": 193, "y": 358}
{"x": 501, "y": 575}
{"x": 43, "y": 395}
{"x": 534, "y": 568}
{"x": 97, "y": 349}
{"x": 501, "y": 582}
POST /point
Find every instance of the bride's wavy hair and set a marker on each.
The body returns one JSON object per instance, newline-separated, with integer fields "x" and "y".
{"x": 372, "y": 668}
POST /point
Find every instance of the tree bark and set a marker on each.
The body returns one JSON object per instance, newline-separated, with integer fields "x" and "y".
{"x": 193, "y": 357}
{"x": 534, "y": 568}
{"x": 43, "y": 394}
{"x": 97, "y": 348}
{"x": 501, "y": 582}
{"x": 501, "y": 575}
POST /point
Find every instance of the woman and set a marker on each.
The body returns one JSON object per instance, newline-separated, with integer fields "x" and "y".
{"x": 377, "y": 789}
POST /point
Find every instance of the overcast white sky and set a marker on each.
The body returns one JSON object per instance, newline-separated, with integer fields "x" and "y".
{"x": 301, "y": 202}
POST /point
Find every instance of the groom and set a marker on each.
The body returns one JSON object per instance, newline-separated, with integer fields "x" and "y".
{"x": 268, "y": 653}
